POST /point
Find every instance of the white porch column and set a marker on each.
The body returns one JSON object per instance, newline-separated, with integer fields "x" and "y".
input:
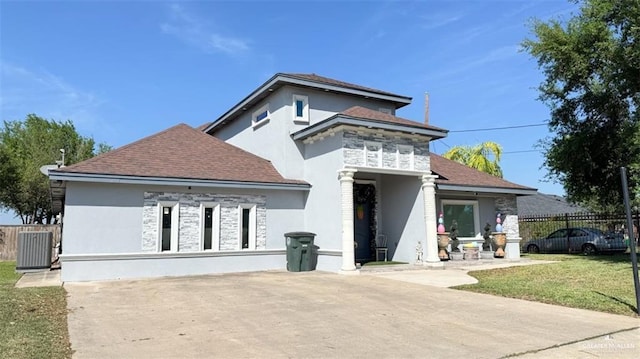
{"x": 430, "y": 250}
{"x": 346, "y": 189}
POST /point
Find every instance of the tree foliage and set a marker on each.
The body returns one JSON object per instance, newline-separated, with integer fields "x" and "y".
{"x": 591, "y": 65}
{"x": 484, "y": 157}
{"x": 27, "y": 145}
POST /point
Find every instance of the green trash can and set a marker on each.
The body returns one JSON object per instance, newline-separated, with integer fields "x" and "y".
{"x": 300, "y": 251}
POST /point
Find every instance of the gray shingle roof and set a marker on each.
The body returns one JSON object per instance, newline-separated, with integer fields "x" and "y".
{"x": 543, "y": 204}
{"x": 330, "y": 81}
{"x": 378, "y": 116}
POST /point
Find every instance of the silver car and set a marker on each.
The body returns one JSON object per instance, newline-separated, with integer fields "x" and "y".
{"x": 577, "y": 240}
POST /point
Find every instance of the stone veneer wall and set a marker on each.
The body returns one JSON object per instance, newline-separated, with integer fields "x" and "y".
{"x": 393, "y": 154}
{"x": 190, "y": 217}
{"x": 507, "y": 206}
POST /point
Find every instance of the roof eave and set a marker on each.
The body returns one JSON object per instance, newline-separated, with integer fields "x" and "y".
{"x": 338, "y": 120}
{"x": 486, "y": 189}
{"x": 170, "y": 181}
{"x": 281, "y": 79}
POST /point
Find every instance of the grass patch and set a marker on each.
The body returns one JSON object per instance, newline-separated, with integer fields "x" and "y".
{"x": 33, "y": 321}
{"x": 382, "y": 263}
{"x": 602, "y": 283}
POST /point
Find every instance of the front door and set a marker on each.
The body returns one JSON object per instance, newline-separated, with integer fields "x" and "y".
{"x": 364, "y": 226}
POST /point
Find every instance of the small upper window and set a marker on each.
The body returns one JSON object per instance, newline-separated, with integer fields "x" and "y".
{"x": 261, "y": 115}
{"x": 385, "y": 110}
{"x": 300, "y": 108}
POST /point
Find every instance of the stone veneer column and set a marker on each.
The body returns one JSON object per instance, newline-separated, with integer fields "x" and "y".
{"x": 430, "y": 251}
{"x": 511, "y": 228}
{"x": 346, "y": 200}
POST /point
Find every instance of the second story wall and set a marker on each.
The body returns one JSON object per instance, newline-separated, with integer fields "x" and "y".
{"x": 270, "y": 138}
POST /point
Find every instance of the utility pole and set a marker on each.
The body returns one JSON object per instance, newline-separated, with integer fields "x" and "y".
{"x": 632, "y": 238}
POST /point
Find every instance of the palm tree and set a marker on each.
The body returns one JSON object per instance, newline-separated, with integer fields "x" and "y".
{"x": 484, "y": 157}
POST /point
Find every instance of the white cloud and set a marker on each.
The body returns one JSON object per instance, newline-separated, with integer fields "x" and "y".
{"x": 438, "y": 20}
{"x": 26, "y": 91}
{"x": 227, "y": 44}
{"x": 194, "y": 32}
{"x": 467, "y": 64}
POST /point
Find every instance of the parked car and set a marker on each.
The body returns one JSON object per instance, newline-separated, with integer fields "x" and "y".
{"x": 577, "y": 240}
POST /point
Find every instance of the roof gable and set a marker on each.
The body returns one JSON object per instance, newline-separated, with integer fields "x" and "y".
{"x": 329, "y": 81}
{"x": 181, "y": 152}
{"x": 306, "y": 81}
{"x": 457, "y": 174}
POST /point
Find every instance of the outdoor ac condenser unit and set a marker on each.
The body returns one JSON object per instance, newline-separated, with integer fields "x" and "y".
{"x": 34, "y": 250}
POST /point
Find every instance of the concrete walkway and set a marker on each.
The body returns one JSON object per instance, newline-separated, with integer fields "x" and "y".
{"x": 324, "y": 315}
{"x": 47, "y": 278}
{"x": 452, "y": 274}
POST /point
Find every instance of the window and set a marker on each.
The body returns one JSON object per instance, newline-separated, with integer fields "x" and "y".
{"x": 385, "y": 110}
{"x": 405, "y": 157}
{"x": 466, "y": 215}
{"x": 300, "y": 108}
{"x": 247, "y": 226}
{"x": 561, "y": 233}
{"x": 168, "y": 226}
{"x": 210, "y": 228}
{"x": 372, "y": 154}
{"x": 261, "y": 115}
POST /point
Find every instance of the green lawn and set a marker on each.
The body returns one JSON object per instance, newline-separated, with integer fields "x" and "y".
{"x": 33, "y": 321}
{"x": 601, "y": 283}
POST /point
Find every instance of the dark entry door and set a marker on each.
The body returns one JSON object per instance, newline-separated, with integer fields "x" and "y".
{"x": 363, "y": 206}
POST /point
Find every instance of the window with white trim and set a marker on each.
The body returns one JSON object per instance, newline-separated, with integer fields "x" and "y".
{"x": 405, "y": 157}
{"x": 210, "y": 226}
{"x": 466, "y": 215}
{"x": 247, "y": 226}
{"x": 168, "y": 225}
{"x": 301, "y": 108}
{"x": 372, "y": 154}
{"x": 261, "y": 115}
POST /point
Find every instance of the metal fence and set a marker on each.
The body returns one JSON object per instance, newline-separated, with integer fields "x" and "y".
{"x": 9, "y": 237}
{"x": 542, "y": 227}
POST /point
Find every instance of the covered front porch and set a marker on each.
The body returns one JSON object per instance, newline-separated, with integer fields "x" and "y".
{"x": 398, "y": 204}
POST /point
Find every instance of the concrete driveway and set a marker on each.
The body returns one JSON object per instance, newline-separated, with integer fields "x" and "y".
{"x": 324, "y": 315}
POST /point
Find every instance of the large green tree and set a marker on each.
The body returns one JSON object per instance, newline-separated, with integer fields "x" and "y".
{"x": 27, "y": 145}
{"x": 591, "y": 65}
{"x": 484, "y": 157}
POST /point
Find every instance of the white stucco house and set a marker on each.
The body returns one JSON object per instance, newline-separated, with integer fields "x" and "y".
{"x": 300, "y": 153}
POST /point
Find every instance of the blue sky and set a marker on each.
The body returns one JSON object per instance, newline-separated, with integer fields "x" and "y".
{"x": 124, "y": 70}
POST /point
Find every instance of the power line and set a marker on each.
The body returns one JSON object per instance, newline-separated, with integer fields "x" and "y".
{"x": 500, "y": 128}
{"x": 444, "y": 143}
{"x": 522, "y": 151}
